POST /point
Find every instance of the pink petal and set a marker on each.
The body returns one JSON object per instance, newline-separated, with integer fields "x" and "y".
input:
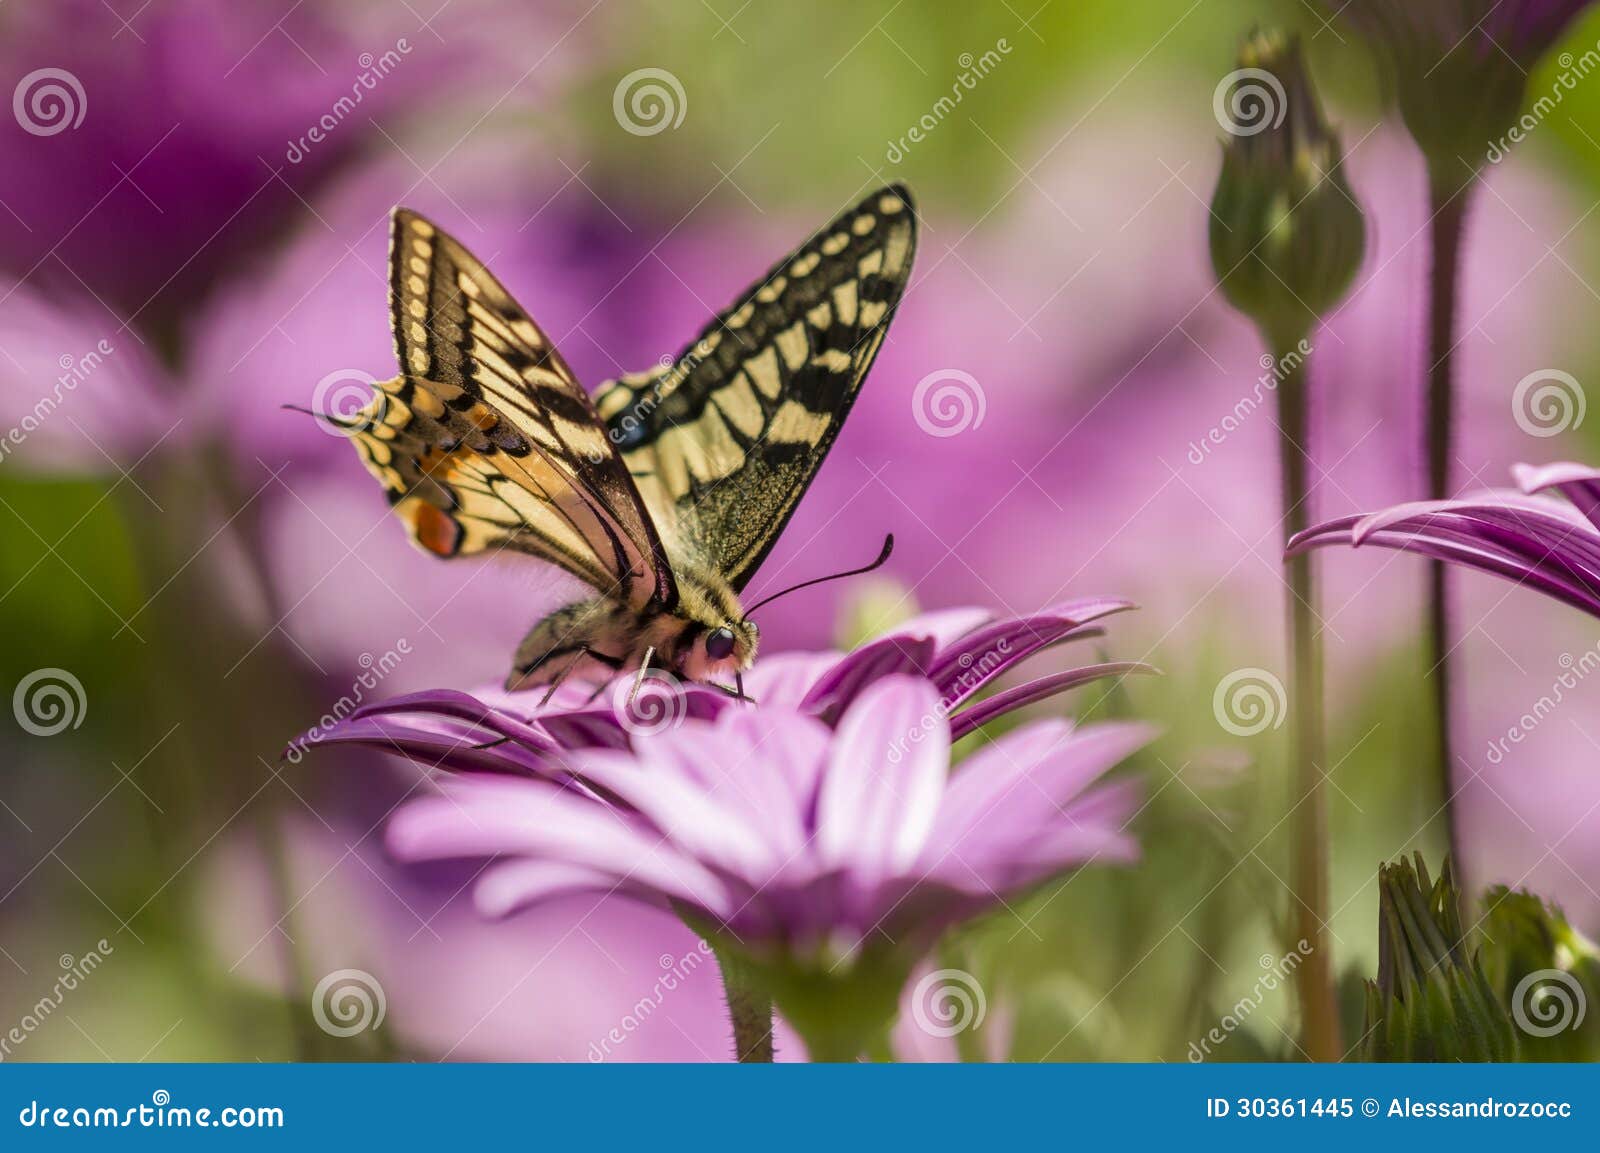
{"x": 885, "y": 778}
{"x": 485, "y": 818}
{"x": 1009, "y": 791}
{"x": 504, "y": 888}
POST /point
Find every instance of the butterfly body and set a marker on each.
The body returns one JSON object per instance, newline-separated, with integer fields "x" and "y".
{"x": 703, "y": 638}
{"x": 666, "y": 491}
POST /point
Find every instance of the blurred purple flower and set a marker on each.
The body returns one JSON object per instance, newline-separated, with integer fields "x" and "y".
{"x": 169, "y": 174}
{"x": 1534, "y": 541}
{"x": 1524, "y": 29}
{"x": 958, "y": 652}
{"x": 77, "y": 394}
{"x": 1532, "y": 26}
{"x": 155, "y": 146}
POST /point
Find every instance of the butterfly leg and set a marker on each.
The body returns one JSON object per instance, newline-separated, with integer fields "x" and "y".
{"x": 638, "y": 682}
{"x": 736, "y": 693}
{"x": 562, "y": 675}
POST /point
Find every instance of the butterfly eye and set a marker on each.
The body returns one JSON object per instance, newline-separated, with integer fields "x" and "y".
{"x": 719, "y": 644}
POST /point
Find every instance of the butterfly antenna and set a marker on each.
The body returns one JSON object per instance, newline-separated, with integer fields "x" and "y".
{"x": 883, "y": 556}
{"x": 332, "y": 418}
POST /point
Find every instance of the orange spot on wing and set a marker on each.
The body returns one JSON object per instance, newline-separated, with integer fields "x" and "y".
{"x": 434, "y": 530}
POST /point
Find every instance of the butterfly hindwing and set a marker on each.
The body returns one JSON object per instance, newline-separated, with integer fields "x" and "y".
{"x": 487, "y": 441}
{"x": 723, "y": 442}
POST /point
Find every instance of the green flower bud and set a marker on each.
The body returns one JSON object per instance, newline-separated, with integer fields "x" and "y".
{"x": 1287, "y": 235}
{"x": 1432, "y": 1000}
{"x": 871, "y": 609}
{"x": 1547, "y": 972}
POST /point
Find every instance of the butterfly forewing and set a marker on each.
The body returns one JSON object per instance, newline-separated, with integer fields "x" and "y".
{"x": 723, "y": 442}
{"x": 487, "y": 441}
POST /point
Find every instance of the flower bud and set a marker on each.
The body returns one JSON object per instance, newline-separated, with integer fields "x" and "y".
{"x": 1458, "y": 69}
{"x": 1432, "y": 1000}
{"x": 1287, "y": 235}
{"x": 1547, "y": 972}
{"x": 871, "y": 609}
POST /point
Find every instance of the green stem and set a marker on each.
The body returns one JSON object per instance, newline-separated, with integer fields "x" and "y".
{"x": 1448, "y": 204}
{"x": 270, "y": 831}
{"x": 1309, "y": 876}
{"x": 749, "y": 1008}
{"x": 880, "y": 1048}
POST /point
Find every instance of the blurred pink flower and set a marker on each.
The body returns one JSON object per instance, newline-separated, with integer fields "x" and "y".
{"x": 78, "y": 393}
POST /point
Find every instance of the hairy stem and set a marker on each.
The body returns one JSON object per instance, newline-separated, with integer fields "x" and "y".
{"x": 1448, "y": 203}
{"x": 1309, "y": 815}
{"x": 749, "y": 1008}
